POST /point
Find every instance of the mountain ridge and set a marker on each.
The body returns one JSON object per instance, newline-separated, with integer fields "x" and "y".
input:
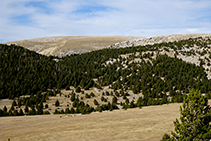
{"x": 66, "y": 45}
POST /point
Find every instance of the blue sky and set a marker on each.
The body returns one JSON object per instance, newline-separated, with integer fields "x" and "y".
{"x": 26, "y": 19}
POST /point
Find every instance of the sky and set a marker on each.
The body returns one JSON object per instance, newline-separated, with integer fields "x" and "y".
{"x": 27, "y": 19}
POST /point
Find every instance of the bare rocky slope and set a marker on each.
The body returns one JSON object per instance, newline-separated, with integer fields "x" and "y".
{"x": 156, "y": 40}
{"x": 66, "y": 45}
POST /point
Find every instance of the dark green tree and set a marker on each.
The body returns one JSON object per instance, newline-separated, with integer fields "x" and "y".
{"x": 72, "y": 98}
{"x": 57, "y": 103}
{"x": 92, "y": 94}
{"x": 166, "y": 137}
{"x": 46, "y": 106}
{"x": 16, "y": 113}
{"x": 72, "y": 110}
{"x": 14, "y": 103}
{"x": 75, "y": 103}
{"x": 95, "y": 102}
{"x": 114, "y": 100}
{"x": 67, "y": 111}
{"x": 46, "y": 113}
{"x": 102, "y": 98}
{"x": 5, "y": 109}
{"x": 26, "y": 109}
{"x": 194, "y": 120}
{"x": 19, "y": 103}
{"x": 12, "y": 108}
{"x": 78, "y": 90}
{"x": 87, "y": 95}
{"x": 21, "y": 112}
{"x": 1, "y": 112}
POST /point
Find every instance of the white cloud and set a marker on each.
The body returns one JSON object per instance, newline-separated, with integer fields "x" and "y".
{"x": 105, "y": 17}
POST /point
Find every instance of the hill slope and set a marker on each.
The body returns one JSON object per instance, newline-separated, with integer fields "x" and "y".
{"x": 103, "y": 80}
{"x": 67, "y": 45}
{"x": 106, "y": 79}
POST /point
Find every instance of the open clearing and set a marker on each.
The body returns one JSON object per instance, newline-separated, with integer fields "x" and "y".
{"x": 148, "y": 123}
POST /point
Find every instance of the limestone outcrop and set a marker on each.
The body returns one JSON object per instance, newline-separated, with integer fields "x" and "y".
{"x": 156, "y": 40}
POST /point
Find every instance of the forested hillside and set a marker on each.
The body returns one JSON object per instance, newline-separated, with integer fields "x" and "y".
{"x": 151, "y": 74}
{"x": 24, "y": 72}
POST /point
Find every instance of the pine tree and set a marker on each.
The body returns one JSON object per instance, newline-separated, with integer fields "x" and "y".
{"x": 95, "y": 102}
{"x": 26, "y": 109}
{"x": 46, "y": 106}
{"x": 14, "y": 103}
{"x": 194, "y": 119}
{"x": 5, "y": 109}
{"x": 114, "y": 100}
{"x": 15, "y": 113}
{"x": 21, "y": 112}
{"x": 19, "y": 103}
{"x": 166, "y": 137}
{"x": 67, "y": 111}
{"x": 57, "y": 103}
{"x": 78, "y": 90}
{"x": 72, "y": 97}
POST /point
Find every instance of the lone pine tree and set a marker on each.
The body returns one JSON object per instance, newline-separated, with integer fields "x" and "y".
{"x": 57, "y": 103}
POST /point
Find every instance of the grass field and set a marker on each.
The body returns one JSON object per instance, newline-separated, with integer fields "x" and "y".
{"x": 147, "y": 124}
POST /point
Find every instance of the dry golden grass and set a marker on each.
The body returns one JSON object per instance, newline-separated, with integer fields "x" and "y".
{"x": 60, "y": 45}
{"x": 148, "y": 123}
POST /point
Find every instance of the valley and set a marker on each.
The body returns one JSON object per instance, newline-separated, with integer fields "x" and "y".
{"x": 142, "y": 81}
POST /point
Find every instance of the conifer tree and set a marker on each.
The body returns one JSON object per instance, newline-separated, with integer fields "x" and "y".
{"x": 26, "y": 109}
{"x": 114, "y": 100}
{"x": 21, "y": 112}
{"x": 46, "y": 106}
{"x": 78, "y": 90}
{"x": 95, "y": 102}
{"x": 194, "y": 119}
{"x": 14, "y": 103}
{"x": 57, "y": 103}
{"x": 5, "y": 109}
{"x": 72, "y": 97}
